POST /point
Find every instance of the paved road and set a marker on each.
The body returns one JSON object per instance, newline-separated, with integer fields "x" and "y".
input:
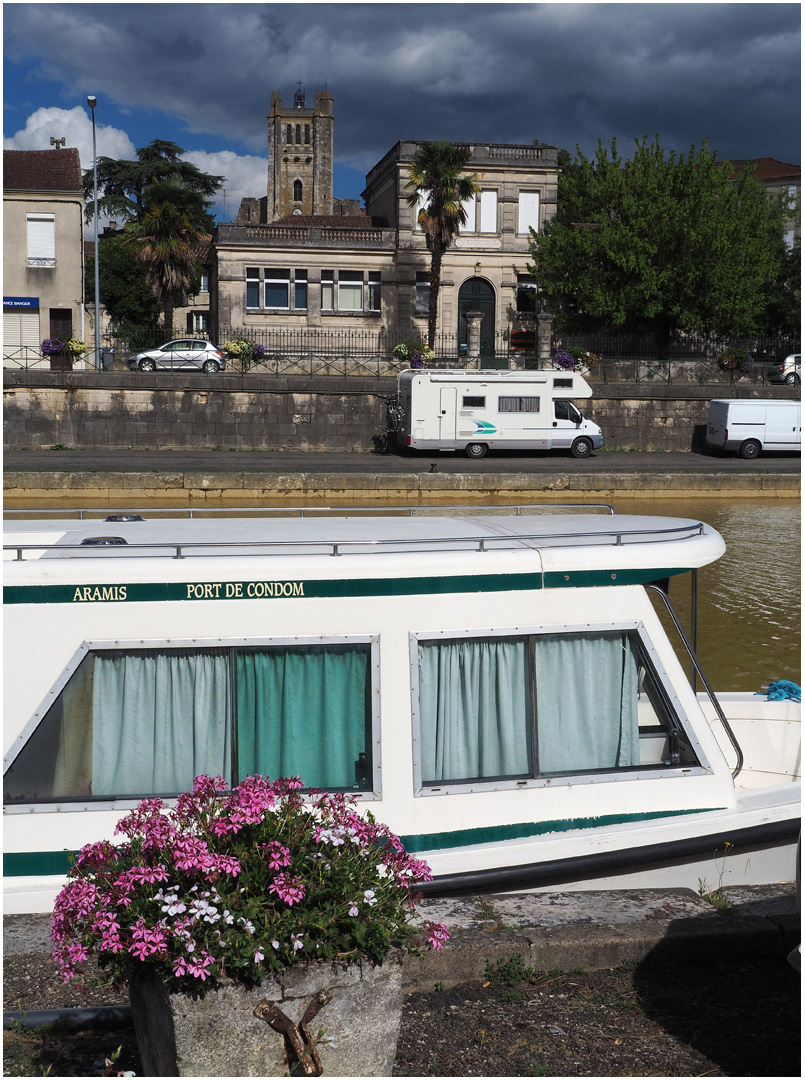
{"x": 293, "y": 461}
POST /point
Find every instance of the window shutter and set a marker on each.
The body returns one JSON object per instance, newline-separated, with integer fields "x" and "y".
{"x": 42, "y": 236}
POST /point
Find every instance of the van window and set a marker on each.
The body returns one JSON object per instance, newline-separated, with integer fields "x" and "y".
{"x": 518, "y": 404}
{"x": 488, "y": 709}
{"x": 470, "y": 402}
{"x": 141, "y": 722}
{"x": 566, "y": 410}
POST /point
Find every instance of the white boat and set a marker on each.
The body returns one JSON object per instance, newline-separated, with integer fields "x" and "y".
{"x": 496, "y": 686}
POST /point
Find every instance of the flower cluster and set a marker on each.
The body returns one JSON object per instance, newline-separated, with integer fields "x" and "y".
{"x": 415, "y": 352}
{"x": 75, "y": 347}
{"x": 575, "y": 357}
{"x": 238, "y": 883}
{"x": 736, "y": 362}
{"x": 52, "y": 346}
{"x": 244, "y": 350}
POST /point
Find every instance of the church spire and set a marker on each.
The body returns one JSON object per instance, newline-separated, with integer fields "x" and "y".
{"x": 299, "y": 97}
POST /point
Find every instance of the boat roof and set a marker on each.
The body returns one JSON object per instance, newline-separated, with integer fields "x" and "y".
{"x": 553, "y": 541}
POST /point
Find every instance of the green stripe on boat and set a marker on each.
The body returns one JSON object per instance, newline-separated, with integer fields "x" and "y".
{"x": 494, "y": 834}
{"x": 191, "y": 591}
{"x": 48, "y": 863}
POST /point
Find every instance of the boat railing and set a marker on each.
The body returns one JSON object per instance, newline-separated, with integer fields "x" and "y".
{"x": 300, "y": 546}
{"x": 705, "y": 682}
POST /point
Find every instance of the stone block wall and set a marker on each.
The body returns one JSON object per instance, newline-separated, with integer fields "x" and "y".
{"x": 193, "y": 411}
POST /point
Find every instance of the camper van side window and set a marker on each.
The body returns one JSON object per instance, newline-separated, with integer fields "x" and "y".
{"x": 488, "y": 709}
{"x": 518, "y": 404}
{"x": 141, "y": 722}
{"x": 471, "y": 402}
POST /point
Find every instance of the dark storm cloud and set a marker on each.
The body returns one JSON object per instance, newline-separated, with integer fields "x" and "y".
{"x": 565, "y": 74}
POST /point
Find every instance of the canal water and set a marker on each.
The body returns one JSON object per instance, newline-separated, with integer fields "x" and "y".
{"x": 749, "y": 603}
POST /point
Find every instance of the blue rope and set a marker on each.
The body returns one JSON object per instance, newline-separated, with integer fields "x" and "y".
{"x": 782, "y": 690}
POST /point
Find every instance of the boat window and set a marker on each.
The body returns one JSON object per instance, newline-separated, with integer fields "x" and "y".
{"x": 542, "y": 705}
{"x": 132, "y": 723}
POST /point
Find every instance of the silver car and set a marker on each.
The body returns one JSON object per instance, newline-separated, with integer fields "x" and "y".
{"x": 184, "y": 354}
{"x": 786, "y": 372}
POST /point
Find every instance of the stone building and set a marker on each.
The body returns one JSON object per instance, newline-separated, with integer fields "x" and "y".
{"x": 43, "y": 264}
{"x": 289, "y": 264}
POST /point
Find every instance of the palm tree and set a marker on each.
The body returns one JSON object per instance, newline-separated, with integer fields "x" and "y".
{"x": 436, "y": 175}
{"x": 168, "y": 240}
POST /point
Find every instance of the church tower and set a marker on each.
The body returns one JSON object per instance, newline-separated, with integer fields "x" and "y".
{"x": 300, "y": 156}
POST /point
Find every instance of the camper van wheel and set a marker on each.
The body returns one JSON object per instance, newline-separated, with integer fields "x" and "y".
{"x": 476, "y": 449}
{"x": 581, "y": 448}
{"x": 750, "y": 449}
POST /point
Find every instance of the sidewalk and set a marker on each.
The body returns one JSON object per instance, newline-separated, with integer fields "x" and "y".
{"x": 564, "y": 931}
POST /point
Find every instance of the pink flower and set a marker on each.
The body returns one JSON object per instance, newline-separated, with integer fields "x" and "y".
{"x": 277, "y": 855}
{"x": 289, "y": 889}
{"x": 437, "y": 934}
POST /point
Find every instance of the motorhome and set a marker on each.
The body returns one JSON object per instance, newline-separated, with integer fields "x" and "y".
{"x": 747, "y": 427}
{"x": 495, "y": 685}
{"x": 477, "y": 411}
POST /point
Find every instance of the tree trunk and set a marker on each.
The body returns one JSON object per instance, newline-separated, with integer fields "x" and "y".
{"x": 433, "y": 299}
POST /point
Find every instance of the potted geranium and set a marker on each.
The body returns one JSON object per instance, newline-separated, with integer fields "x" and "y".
{"x": 575, "y": 358}
{"x": 257, "y": 906}
{"x": 414, "y": 352}
{"x": 55, "y": 350}
{"x": 736, "y": 362}
{"x": 75, "y": 349}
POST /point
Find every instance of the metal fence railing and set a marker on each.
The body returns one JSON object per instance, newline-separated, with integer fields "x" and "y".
{"x": 620, "y": 357}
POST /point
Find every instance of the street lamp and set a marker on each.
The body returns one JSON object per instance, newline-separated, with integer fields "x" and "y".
{"x": 92, "y": 102}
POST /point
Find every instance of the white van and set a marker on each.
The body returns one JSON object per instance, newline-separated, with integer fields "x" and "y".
{"x": 476, "y": 411}
{"x": 747, "y": 427}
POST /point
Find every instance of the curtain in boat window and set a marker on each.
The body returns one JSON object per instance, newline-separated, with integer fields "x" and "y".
{"x": 473, "y": 709}
{"x": 158, "y": 721}
{"x": 304, "y": 712}
{"x": 586, "y": 703}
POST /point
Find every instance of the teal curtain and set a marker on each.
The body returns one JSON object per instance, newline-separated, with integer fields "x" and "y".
{"x": 473, "y": 709}
{"x": 304, "y": 712}
{"x": 158, "y": 721}
{"x": 586, "y": 702}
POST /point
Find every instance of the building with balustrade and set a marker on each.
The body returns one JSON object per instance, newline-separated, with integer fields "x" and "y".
{"x": 298, "y": 260}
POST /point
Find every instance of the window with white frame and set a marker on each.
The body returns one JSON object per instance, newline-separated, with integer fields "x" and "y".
{"x": 489, "y": 211}
{"x": 485, "y": 708}
{"x": 252, "y": 287}
{"x": 469, "y": 208}
{"x": 41, "y": 239}
{"x": 526, "y": 293}
{"x": 327, "y": 290}
{"x": 277, "y": 288}
{"x": 528, "y": 211}
{"x": 350, "y": 290}
{"x": 135, "y": 722}
{"x": 373, "y": 290}
{"x": 422, "y": 300}
{"x": 300, "y": 290}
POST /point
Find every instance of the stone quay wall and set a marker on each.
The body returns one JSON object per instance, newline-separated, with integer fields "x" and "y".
{"x": 179, "y": 411}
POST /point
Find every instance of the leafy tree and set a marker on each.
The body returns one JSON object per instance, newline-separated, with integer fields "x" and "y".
{"x": 124, "y": 288}
{"x": 168, "y": 242}
{"x": 658, "y": 241}
{"x": 436, "y": 174}
{"x": 123, "y": 185}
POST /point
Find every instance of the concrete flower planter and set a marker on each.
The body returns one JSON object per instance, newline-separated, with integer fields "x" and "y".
{"x": 354, "y": 1029}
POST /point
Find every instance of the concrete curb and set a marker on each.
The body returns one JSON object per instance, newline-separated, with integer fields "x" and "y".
{"x": 382, "y": 489}
{"x": 597, "y": 930}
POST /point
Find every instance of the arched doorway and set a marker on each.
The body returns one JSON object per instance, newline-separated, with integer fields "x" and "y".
{"x": 476, "y": 294}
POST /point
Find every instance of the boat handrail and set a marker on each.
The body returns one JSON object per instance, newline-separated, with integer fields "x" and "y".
{"x": 179, "y": 512}
{"x": 222, "y": 548}
{"x": 705, "y": 682}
